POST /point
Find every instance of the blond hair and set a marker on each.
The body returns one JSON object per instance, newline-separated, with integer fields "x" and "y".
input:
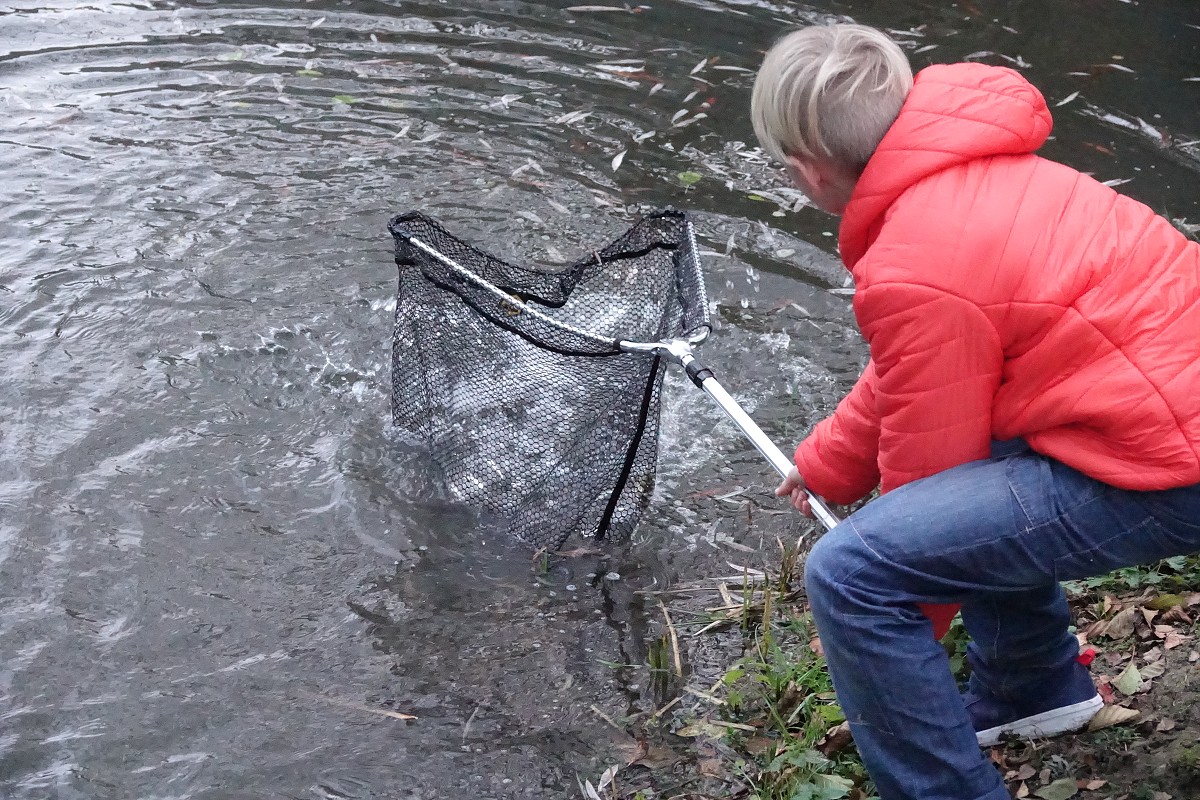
{"x": 830, "y": 92}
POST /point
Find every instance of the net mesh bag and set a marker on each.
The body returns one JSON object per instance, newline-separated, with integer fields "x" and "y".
{"x": 515, "y": 380}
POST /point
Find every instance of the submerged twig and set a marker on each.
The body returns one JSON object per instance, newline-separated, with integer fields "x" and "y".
{"x": 674, "y": 640}
{"x": 606, "y": 718}
{"x": 334, "y": 701}
{"x": 467, "y": 726}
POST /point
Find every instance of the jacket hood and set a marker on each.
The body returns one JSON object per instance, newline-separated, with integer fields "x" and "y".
{"x": 955, "y": 113}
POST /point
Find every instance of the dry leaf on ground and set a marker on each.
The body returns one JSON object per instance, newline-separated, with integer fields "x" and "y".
{"x": 1110, "y": 716}
{"x": 1118, "y": 627}
{"x": 1060, "y": 789}
{"x": 1129, "y": 681}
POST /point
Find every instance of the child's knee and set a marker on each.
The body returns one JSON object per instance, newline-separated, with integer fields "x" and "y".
{"x": 833, "y": 560}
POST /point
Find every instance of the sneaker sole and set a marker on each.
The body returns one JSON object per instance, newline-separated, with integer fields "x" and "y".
{"x": 1048, "y": 723}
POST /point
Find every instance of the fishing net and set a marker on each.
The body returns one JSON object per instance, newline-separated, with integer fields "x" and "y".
{"x": 519, "y": 380}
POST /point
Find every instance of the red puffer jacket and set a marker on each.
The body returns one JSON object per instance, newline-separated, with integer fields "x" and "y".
{"x": 1003, "y": 295}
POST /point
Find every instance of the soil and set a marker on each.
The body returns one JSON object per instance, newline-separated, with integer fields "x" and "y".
{"x": 1154, "y": 755}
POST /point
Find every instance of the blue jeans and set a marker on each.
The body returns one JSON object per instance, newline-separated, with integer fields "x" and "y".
{"x": 997, "y": 536}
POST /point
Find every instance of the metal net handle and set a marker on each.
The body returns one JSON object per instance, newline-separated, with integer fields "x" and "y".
{"x": 678, "y": 350}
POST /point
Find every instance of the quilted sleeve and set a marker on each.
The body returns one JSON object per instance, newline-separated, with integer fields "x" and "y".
{"x": 938, "y": 363}
{"x": 838, "y": 460}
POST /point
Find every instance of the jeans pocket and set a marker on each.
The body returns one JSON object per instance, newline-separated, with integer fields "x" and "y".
{"x": 1031, "y": 481}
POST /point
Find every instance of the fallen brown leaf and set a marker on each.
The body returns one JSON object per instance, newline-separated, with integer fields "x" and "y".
{"x": 1110, "y": 716}
{"x": 1165, "y": 725}
{"x": 656, "y": 758}
{"x": 1118, "y": 627}
{"x": 1092, "y": 785}
{"x": 1154, "y": 669}
{"x": 835, "y": 740}
{"x": 1176, "y": 614}
{"x": 1174, "y": 639}
{"x": 757, "y": 745}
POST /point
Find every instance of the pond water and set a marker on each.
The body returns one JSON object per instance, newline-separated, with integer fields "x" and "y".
{"x": 215, "y": 579}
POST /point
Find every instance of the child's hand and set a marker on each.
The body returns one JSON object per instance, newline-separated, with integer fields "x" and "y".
{"x": 793, "y": 487}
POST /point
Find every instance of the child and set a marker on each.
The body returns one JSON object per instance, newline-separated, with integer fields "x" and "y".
{"x": 1030, "y": 411}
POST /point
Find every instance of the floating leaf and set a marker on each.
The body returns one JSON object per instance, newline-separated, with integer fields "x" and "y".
{"x": 607, "y": 778}
{"x": 1061, "y": 789}
{"x": 689, "y": 178}
{"x": 572, "y": 116}
{"x": 617, "y": 159}
{"x": 309, "y": 73}
{"x": 1067, "y": 99}
{"x": 1111, "y": 715}
{"x": 345, "y": 98}
{"x": 589, "y": 791}
{"x": 236, "y": 55}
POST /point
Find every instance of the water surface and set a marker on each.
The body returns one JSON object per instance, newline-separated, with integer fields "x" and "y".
{"x": 215, "y": 577}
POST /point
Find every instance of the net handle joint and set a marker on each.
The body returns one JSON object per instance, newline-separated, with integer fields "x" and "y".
{"x": 680, "y": 351}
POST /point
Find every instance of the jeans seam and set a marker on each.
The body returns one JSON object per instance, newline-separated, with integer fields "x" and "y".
{"x": 1143, "y": 526}
{"x": 863, "y": 539}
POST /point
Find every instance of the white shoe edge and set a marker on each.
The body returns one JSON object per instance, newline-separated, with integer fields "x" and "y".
{"x": 1048, "y": 723}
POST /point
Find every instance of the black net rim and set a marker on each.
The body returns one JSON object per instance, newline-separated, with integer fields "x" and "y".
{"x": 417, "y": 236}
